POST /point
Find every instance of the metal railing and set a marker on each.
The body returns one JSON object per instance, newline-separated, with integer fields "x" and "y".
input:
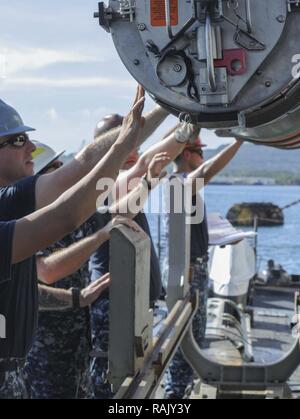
{"x": 138, "y": 358}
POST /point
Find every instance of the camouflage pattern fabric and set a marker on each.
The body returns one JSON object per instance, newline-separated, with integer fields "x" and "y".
{"x": 13, "y": 386}
{"x": 180, "y": 374}
{"x": 59, "y": 358}
{"x": 100, "y": 342}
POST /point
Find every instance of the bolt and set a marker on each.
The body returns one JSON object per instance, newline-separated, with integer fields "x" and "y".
{"x": 136, "y": 62}
{"x": 177, "y": 68}
{"x": 268, "y": 84}
{"x": 186, "y": 117}
{"x": 142, "y": 27}
{"x": 281, "y": 19}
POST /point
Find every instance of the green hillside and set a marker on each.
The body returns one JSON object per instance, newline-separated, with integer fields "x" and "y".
{"x": 260, "y": 161}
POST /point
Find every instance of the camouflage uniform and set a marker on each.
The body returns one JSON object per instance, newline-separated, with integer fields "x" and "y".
{"x": 99, "y": 265}
{"x": 100, "y": 341}
{"x": 13, "y": 385}
{"x": 180, "y": 374}
{"x": 60, "y": 353}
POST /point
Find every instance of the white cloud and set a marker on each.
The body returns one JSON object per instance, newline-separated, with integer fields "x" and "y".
{"x": 52, "y": 114}
{"x": 18, "y": 60}
{"x": 78, "y": 82}
{"x": 91, "y": 113}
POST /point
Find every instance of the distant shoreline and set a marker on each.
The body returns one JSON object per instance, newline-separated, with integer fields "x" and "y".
{"x": 252, "y": 184}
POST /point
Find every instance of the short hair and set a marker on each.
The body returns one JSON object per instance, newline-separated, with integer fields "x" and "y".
{"x": 179, "y": 158}
{"x": 107, "y": 123}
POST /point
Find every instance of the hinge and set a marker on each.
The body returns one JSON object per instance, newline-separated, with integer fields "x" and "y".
{"x": 293, "y": 5}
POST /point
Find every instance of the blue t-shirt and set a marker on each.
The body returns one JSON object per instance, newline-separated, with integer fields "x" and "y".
{"x": 199, "y": 232}
{"x": 18, "y": 285}
{"x": 99, "y": 261}
{"x": 6, "y": 239}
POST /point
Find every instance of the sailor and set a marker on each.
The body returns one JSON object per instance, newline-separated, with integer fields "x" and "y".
{"x": 36, "y": 211}
{"x": 147, "y": 166}
{"x": 57, "y": 362}
{"x": 190, "y": 165}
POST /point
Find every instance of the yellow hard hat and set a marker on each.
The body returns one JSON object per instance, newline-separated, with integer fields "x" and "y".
{"x": 43, "y": 156}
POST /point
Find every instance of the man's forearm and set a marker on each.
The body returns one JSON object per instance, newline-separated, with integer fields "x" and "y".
{"x": 48, "y": 225}
{"x": 61, "y": 264}
{"x": 89, "y": 157}
{"x": 49, "y": 187}
{"x": 215, "y": 165}
{"x": 153, "y": 120}
{"x": 44, "y": 227}
{"x": 131, "y": 204}
{"x": 53, "y": 299}
{"x": 172, "y": 144}
{"x": 219, "y": 162}
{"x": 168, "y": 145}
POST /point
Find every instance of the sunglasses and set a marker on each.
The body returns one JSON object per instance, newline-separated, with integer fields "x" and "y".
{"x": 53, "y": 166}
{"x": 17, "y": 141}
{"x": 198, "y": 151}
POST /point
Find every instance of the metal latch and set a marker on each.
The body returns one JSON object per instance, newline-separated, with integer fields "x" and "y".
{"x": 104, "y": 15}
{"x": 127, "y": 9}
{"x": 142, "y": 342}
{"x": 293, "y": 5}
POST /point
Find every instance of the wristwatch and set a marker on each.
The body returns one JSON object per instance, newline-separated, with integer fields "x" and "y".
{"x": 148, "y": 183}
{"x": 186, "y": 132}
{"x": 182, "y": 133}
{"x": 76, "y": 292}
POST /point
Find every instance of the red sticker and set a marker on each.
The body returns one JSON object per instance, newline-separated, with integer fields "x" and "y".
{"x": 158, "y": 12}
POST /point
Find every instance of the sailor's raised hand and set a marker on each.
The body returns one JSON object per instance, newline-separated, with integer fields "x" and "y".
{"x": 157, "y": 165}
{"x": 187, "y": 133}
{"x": 91, "y": 293}
{"x": 133, "y": 122}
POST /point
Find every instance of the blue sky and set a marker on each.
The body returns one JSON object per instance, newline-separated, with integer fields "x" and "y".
{"x": 59, "y": 69}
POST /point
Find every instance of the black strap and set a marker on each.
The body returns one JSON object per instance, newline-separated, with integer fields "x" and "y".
{"x": 192, "y": 88}
{"x": 76, "y": 298}
{"x": 11, "y": 364}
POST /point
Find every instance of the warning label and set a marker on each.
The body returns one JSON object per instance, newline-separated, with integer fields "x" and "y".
{"x": 158, "y": 12}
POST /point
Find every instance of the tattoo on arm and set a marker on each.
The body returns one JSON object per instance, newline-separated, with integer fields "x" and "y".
{"x": 53, "y": 299}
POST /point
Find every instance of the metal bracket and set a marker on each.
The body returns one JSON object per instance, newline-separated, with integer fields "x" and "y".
{"x": 220, "y": 96}
{"x": 104, "y": 15}
{"x": 234, "y": 60}
{"x": 131, "y": 319}
{"x": 127, "y": 9}
{"x": 247, "y": 41}
{"x": 228, "y": 320}
{"x": 293, "y": 5}
{"x": 246, "y": 377}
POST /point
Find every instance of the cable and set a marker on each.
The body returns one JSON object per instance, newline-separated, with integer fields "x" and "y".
{"x": 291, "y": 205}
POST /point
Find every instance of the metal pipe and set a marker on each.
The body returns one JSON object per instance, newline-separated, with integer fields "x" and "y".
{"x": 210, "y": 54}
{"x": 168, "y": 19}
{"x": 246, "y": 375}
{"x": 159, "y": 237}
{"x": 248, "y": 16}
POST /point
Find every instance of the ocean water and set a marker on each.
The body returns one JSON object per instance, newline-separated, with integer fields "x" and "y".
{"x": 279, "y": 243}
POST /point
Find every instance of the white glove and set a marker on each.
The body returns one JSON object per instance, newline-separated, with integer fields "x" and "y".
{"x": 187, "y": 133}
